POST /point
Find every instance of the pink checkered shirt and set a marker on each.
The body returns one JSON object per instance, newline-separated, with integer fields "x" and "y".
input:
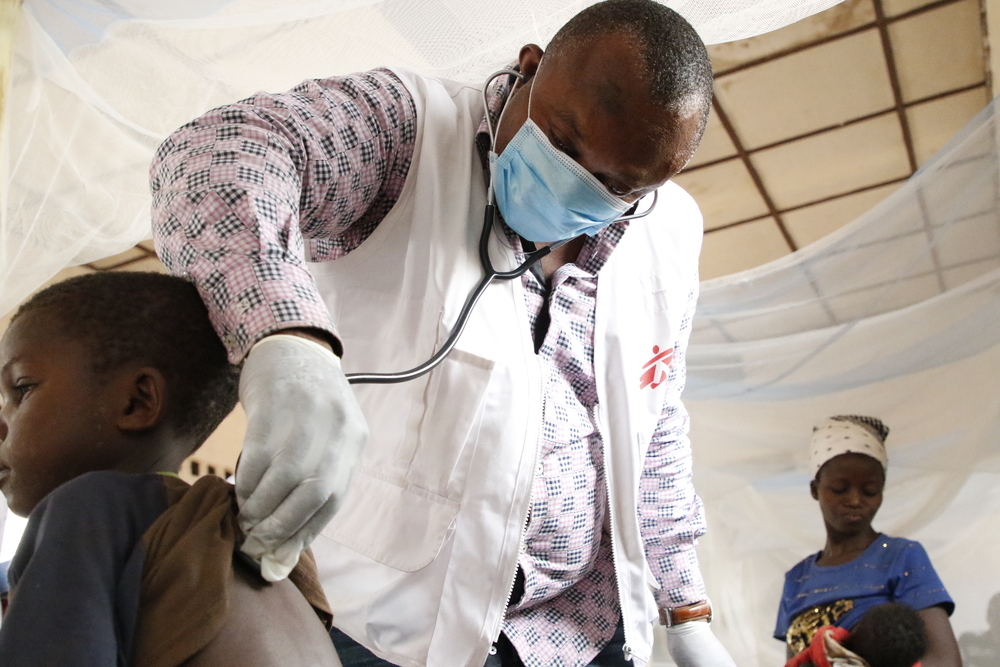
{"x": 244, "y": 194}
{"x": 570, "y": 605}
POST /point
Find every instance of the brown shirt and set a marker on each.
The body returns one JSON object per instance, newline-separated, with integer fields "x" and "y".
{"x": 199, "y": 605}
{"x": 118, "y": 569}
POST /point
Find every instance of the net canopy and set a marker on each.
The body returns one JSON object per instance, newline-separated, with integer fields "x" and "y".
{"x": 897, "y": 316}
{"x": 98, "y": 84}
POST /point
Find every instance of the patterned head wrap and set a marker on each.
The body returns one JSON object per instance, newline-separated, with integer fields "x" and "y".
{"x": 845, "y": 434}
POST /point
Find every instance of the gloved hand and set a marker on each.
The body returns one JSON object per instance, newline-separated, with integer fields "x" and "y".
{"x": 305, "y": 432}
{"x": 693, "y": 644}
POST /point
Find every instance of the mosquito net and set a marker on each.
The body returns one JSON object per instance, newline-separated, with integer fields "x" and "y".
{"x": 97, "y": 84}
{"x": 897, "y": 315}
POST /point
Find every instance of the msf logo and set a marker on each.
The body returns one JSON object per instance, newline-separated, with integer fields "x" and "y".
{"x": 654, "y": 371}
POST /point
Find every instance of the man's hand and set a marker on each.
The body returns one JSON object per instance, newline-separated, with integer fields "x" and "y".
{"x": 693, "y": 644}
{"x": 305, "y": 432}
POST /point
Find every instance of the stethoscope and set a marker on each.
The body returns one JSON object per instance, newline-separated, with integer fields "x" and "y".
{"x": 490, "y": 273}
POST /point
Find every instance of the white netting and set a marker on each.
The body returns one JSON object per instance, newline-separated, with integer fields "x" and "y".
{"x": 97, "y": 84}
{"x": 897, "y": 316}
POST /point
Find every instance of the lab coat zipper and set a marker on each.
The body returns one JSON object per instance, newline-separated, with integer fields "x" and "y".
{"x": 626, "y": 649}
{"x": 524, "y": 528}
{"x": 521, "y": 546}
{"x": 527, "y": 511}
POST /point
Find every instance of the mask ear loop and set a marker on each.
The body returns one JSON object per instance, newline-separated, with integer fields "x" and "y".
{"x": 491, "y": 199}
{"x": 486, "y": 103}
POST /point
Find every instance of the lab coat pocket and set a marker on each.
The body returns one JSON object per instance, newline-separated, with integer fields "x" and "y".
{"x": 384, "y": 333}
{"x": 454, "y": 403}
{"x": 402, "y": 521}
{"x": 665, "y": 306}
{"x": 397, "y": 525}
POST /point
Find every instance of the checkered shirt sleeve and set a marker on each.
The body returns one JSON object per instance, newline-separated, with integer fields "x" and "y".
{"x": 671, "y": 516}
{"x": 245, "y": 194}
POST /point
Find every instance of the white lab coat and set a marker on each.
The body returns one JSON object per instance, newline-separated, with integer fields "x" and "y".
{"x": 418, "y": 564}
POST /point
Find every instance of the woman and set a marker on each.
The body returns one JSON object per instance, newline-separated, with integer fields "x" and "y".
{"x": 859, "y": 567}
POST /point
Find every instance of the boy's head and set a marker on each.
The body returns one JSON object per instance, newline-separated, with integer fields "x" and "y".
{"x": 889, "y": 635}
{"x": 107, "y": 371}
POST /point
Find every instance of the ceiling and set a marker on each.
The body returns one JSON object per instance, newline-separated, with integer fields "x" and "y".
{"x": 816, "y": 123}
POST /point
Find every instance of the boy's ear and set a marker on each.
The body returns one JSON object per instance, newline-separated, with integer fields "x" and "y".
{"x": 813, "y": 490}
{"x": 144, "y": 393}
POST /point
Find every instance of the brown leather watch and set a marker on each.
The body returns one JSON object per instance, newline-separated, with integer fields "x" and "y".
{"x": 699, "y": 611}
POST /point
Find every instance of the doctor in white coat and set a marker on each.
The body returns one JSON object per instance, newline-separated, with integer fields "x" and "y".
{"x": 529, "y": 501}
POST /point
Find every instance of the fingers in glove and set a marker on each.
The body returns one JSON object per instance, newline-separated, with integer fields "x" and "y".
{"x": 295, "y": 512}
{"x": 257, "y": 460}
{"x": 292, "y": 456}
{"x": 305, "y": 431}
{"x": 276, "y": 563}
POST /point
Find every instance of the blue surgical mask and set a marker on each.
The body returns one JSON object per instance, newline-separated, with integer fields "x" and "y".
{"x": 543, "y": 194}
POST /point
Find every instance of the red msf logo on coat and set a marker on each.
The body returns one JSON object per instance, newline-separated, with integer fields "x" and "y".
{"x": 654, "y": 371}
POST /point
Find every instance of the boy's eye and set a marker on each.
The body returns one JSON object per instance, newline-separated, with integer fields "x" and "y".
{"x": 20, "y": 390}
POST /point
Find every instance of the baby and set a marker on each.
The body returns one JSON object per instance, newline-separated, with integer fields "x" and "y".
{"x": 109, "y": 381}
{"x": 888, "y": 635}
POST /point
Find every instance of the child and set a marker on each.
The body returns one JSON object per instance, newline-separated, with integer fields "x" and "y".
{"x": 859, "y": 568}
{"x": 109, "y": 381}
{"x": 888, "y": 635}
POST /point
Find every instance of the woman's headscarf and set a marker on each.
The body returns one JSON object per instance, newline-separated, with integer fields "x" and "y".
{"x": 847, "y": 434}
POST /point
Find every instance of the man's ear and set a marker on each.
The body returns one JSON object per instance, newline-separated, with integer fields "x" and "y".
{"x": 144, "y": 391}
{"x": 813, "y": 490}
{"x": 528, "y": 59}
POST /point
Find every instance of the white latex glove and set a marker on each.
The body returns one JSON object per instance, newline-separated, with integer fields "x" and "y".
{"x": 305, "y": 432}
{"x": 693, "y": 644}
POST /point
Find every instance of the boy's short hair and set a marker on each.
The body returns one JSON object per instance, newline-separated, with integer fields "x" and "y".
{"x": 152, "y": 319}
{"x": 889, "y": 635}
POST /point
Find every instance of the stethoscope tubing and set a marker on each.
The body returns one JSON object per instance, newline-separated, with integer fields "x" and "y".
{"x": 491, "y": 274}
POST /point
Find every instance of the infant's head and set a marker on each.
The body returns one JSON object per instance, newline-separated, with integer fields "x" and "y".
{"x": 889, "y": 635}
{"x": 107, "y": 371}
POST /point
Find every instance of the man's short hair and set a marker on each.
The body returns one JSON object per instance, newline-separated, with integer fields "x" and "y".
{"x": 154, "y": 319}
{"x": 889, "y": 635}
{"x": 680, "y": 71}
